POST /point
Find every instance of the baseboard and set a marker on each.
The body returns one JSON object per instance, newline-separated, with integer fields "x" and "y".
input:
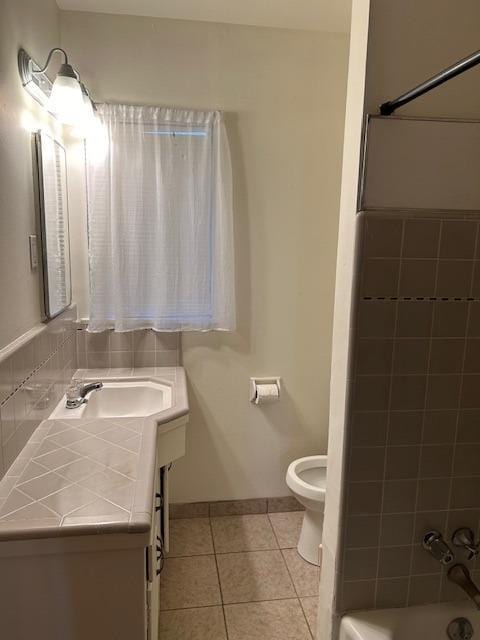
{"x": 234, "y": 507}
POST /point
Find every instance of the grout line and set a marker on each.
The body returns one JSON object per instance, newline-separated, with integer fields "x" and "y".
{"x": 57, "y": 471}
{"x": 414, "y": 445}
{"x": 305, "y": 615}
{"x": 375, "y": 411}
{"x": 229, "y": 604}
{"x": 296, "y": 598}
{"x": 425, "y": 404}
{"x": 231, "y": 553}
{"x": 189, "y": 555}
{"x": 419, "y": 298}
{"x": 422, "y": 374}
{"x": 198, "y": 606}
{"x": 429, "y": 375}
{"x": 402, "y": 577}
{"x": 275, "y": 535}
{"x": 296, "y": 592}
{"x": 35, "y": 369}
{"x": 218, "y": 576}
{"x": 446, "y": 477}
{"x": 226, "y": 553}
{"x": 389, "y": 404}
{"x": 212, "y": 535}
{"x": 410, "y": 259}
{"x": 459, "y": 408}
{"x": 67, "y": 486}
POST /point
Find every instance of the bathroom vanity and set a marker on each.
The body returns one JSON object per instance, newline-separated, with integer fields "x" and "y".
{"x": 84, "y": 526}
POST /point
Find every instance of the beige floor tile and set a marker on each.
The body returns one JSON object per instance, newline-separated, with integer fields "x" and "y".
{"x": 243, "y": 533}
{"x": 278, "y": 620}
{"x": 305, "y": 576}
{"x": 190, "y": 537}
{"x": 206, "y": 623}
{"x": 253, "y": 576}
{"x": 310, "y": 608}
{"x": 189, "y": 582}
{"x": 287, "y": 527}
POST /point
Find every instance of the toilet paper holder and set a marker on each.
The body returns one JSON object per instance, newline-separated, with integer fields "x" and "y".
{"x": 256, "y": 382}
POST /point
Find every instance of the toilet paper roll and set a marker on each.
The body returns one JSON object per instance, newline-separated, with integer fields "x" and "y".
{"x": 266, "y": 393}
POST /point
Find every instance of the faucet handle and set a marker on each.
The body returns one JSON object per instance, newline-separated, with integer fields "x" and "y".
{"x": 464, "y": 537}
{"x": 73, "y": 389}
{"x": 434, "y": 543}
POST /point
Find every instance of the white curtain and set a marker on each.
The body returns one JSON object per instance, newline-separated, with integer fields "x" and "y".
{"x": 160, "y": 222}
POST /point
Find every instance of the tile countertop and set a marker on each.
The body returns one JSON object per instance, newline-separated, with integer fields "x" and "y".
{"x": 88, "y": 476}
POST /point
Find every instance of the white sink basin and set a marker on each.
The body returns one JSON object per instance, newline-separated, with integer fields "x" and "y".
{"x": 120, "y": 398}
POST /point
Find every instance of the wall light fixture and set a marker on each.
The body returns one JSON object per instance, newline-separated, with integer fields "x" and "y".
{"x": 67, "y": 98}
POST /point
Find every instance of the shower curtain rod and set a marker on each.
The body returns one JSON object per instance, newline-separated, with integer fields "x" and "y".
{"x": 387, "y": 108}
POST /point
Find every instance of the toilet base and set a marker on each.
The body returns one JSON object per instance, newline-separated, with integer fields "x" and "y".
{"x": 309, "y": 543}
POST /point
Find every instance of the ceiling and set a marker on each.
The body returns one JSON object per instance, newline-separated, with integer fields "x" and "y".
{"x": 313, "y": 15}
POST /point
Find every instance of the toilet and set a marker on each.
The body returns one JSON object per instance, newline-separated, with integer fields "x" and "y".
{"x": 306, "y": 478}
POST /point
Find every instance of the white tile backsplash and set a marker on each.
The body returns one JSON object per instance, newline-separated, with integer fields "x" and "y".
{"x": 32, "y": 380}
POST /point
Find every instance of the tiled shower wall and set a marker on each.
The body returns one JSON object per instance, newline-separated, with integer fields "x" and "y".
{"x": 143, "y": 348}
{"x": 32, "y": 380}
{"x": 413, "y": 430}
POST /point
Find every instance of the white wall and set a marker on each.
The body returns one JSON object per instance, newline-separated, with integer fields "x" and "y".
{"x": 342, "y": 313}
{"x": 410, "y": 41}
{"x": 33, "y": 24}
{"x": 283, "y": 92}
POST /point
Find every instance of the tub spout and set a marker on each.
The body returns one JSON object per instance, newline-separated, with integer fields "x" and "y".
{"x": 460, "y": 575}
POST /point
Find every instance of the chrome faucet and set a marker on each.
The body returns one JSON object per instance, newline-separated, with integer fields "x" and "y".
{"x": 460, "y": 575}
{"x": 465, "y": 538}
{"x": 77, "y": 393}
{"x": 434, "y": 543}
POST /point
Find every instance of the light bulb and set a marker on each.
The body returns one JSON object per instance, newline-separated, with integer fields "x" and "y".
{"x": 97, "y": 141}
{"x": 66, "y": 100}
{"x": 87, "y": 120}
{"x": 88, "y": 114}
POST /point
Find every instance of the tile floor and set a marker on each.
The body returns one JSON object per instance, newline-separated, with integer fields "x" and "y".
{"x": 237, "y": 578}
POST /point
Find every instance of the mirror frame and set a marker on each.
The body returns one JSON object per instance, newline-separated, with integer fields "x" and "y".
{"x": 40, "y": 198}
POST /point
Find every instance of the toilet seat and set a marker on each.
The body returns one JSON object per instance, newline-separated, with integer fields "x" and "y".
{"x": 307, "y": 477}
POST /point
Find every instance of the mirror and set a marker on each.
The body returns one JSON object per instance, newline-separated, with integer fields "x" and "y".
{"x": 51, "y": 166}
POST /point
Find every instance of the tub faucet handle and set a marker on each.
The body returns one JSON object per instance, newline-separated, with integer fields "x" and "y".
{"x": 434, "y": 543}
{"x": 465, "y": 538}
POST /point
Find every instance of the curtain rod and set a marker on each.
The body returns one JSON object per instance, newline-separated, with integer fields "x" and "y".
{"x": 387, "y": 108}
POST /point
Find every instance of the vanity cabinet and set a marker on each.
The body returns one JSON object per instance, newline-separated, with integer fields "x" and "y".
{"x": 103, "y": 587}
{"x": 76, "y": 589}
{"x": 82, "y": 540}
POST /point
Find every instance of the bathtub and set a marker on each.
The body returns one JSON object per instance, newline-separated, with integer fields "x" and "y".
{"x": 428, "y": 622}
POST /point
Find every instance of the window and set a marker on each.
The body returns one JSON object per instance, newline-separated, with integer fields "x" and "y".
{"x": 160, "y": 221}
